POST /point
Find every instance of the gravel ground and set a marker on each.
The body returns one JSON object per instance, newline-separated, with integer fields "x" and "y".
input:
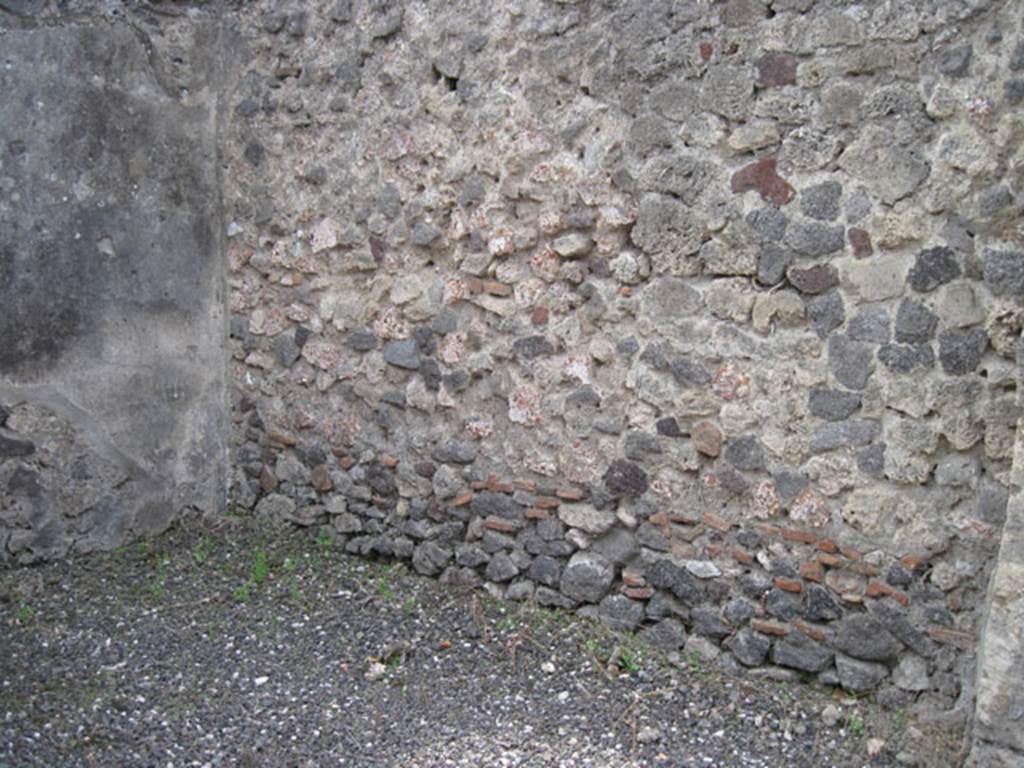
{"x": 251, "y": 647}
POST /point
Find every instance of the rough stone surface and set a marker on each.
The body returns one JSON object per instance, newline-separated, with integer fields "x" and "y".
{"x": 587, "y": 577}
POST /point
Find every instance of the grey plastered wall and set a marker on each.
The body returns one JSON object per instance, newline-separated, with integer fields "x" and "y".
{"x": 999, "y": 715}
{"x": 112, "y": 372}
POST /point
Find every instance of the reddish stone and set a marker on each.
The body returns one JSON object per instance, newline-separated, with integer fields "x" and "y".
{"x": 267, "y": 480}
{"x": 850, "y": 552}
{"x": 462, "y": 499}
{"x": 524, "y": 485}
{"x": 320, "y": 478}
{"x": 769, "y": 627}
{"x": 962, "y": 640}
{"x": 282, "y": 438}
{"x": 788, "y": 585}
{"x": 832, "y": 561}
{"x": 776, "y": 69}
{"x": 762, "y": 177}
{"x": 860, "y": 240}
{"x": 795, "y": 534}
{"x": 913, "y": 562}
{"x": 712, "y": 550}
{"x": 812, "y": 571}
{"x": 625, "y": 291}
{"x": 497, "y": 289}
{"x": 706, "y": 50}
{"x": 534, "y": 513}
{"x": 813, "y": 280}
{"x": 346, "y": 462}
{"x": 546, "y": 502}
{"x": 633, "y": 579}
{"x": 638, "y": 593}
{"x": 828, "y": 545}
{"x": 659, "y": 519}
{"x": 388, "y": 460}
{"x": 707, "y": 438}
{"x": 424, "y": 469}
{"x": 570, "y": 494}
{"x": 865, "y": 569}
{"x": 766, "y": 530}
{"x": 539, "y": 316}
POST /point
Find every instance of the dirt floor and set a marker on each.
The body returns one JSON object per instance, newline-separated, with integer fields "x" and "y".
{"x": 251, "y": 646}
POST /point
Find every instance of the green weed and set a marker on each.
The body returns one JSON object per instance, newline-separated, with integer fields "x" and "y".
{"x": 856, "y": 726}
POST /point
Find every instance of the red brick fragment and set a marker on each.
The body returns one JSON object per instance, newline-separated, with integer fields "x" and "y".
{"x": 540, "y": 316}
{"x": 957, "y": 638}
{"x": 633, "y": 579}
{"x": 775, "y": 70}
{"x": 881, "y": 589}
{"x": 570, "y": 494}
{"x": 741, "y": 555}
{"x": 762, "y": 177}
{"x": 524, "y": 485}
{"x": 913, "y": 562}
{"x": 828, "y": 545}
{"x": 788, "y": 585}
{"x": 388, "y": 460}
{"x": 346, "y": 462}
{"x": 462, "y": 499}
{"x": 706, "y": 50}
{"x": 851, "y": 553}
{"x": 865, "y": 569}
{"x": 534, "y": 513}
{"x": 501, "y": 525}
{"x": 546, "y": 502}
{"x": 712, "y": 550}
{"x": 832, "y": 561}
{"x": 769, "y": 627}
{"x": 812, "y": 572}
{"x": 810, "y": 630}
{"x": 766, "y": 530}
{"x": 713, "y": 521}
{"x": 282, "y": 438}
{"x": 860, "y": 241}
{"x": 795, "y": 534}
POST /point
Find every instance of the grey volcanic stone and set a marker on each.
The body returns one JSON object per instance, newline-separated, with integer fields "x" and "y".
{"x": 430, "y": 558}
{"x": 624, "y": 478}
{"x": 708, "y": 623}
{"x": 826, "y": 313}
{"x": 772, "y": 262}
{"x": 851, "y": 361}
{"x": 871, "y": 460}
{"x": 820, "y": 604}
{"x": 545, "y": 570}
{"x": 532, "y": 347}
{"x": 859, "y": 676}
{"x": 994, "y": 199}
{"x": 501, "y": 568}
{"x": 815, "y": 239}
{"x": 911, "y": 674}
{"x": 749, "y": 647}
{"x": 470, "y": 555}
{"x": 782, "y": 604}
{"x": 915, "y": 323}
{"x": 788, "y": 484}
{"x": 668, "y": 634}
{"x": 863, "y": 636}
{"x": 587, "y": 577}
{"x": 1003, "y": 271}
{"x": 454, "y": 452}
{"x": 797, "y": 651}
{"x": 618, "y": 545}
{"x": 933, "y": 267}
{"x": 402, "y": 354}
{"x": 832, "y": 404}
{"x": 12, "y": 448}
{"x": 813, "y": 280}
{"x": 869, "y": 324}
{"x": 665, "y": 574}
{"x": 738, "y": 611}
{"x": 961, "y": 351}
{"x": 842, "y": 434}
{"x": 904, "y": 358}
{"x": 954, "y": 62}
{"x": 768, "y": 223}
{"x": 619, "y": 613}
{"x": 423, "y": 234}
{"x": 745, "y": 453}
{"x": 895, "y": 620}
{"x": 821, "y": 201}
{"x": 487, "y": 503}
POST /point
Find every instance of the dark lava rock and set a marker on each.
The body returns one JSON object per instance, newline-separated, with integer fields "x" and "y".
{"x": 863, "y": 636}
{"x": 624, "y": 478}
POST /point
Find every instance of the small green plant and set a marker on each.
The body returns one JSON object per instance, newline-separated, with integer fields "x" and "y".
{"x": 25, "y": 613}
{"x": 856, "y": 726}
{"x": 409, "y": 605}
{"x": 384, "y": 586}
{"x": 243, "y": 593}
{"x": 323, "y": 538}
{"x": 697, "y": 665}
{"x": 158, "y": 586}
{"x": 506, "y": 622}
{"x": 630, "y": 658}
{"x": 260, "y": 568}
{"x": 202, "y": 550}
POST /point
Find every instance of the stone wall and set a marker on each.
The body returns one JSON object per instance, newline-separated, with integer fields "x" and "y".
{"x": 113, "y": 399}
{"x": 699, "y": 316}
